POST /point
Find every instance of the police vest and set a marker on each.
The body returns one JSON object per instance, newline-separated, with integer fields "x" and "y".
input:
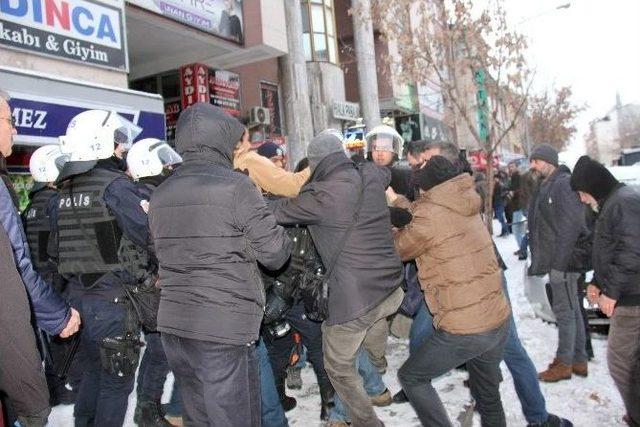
{"x": 37, "y": 227}
{"x": 89, "y": 238}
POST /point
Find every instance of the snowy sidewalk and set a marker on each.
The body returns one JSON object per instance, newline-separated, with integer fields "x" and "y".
{"x": 592, "y": 401}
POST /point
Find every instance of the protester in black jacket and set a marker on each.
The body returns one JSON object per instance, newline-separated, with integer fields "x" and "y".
{"x": 363, "y": 289}
{"x": 210, "y": 227}
{"x": 616, "y": 263}
{"x": 556, "y": 221}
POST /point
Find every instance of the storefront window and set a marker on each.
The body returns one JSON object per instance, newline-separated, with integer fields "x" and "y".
{"x": 318, "y": 25}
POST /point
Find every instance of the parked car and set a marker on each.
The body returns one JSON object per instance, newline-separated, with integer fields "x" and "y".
{"x": 537, "y": 288}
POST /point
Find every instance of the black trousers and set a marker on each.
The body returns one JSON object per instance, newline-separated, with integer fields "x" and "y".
{"x": 219, "y": 383}
{"x": 280, "y": 349}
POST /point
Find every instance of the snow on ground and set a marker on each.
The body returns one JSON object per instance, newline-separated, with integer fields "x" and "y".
{"x": 592, "y": 401}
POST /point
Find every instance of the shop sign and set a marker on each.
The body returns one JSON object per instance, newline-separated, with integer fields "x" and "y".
{"x": 42, "y": 120}
{"x": 194, "y": 87}
{"x": 224, "y": 89}
{"x": 271, "y": 100}
{"x": 346, "y": 110}
{"x": 172, "y": 112}
{"x": 220, "y": 17}
{"x": 78, "y": 30}
{"x": 478, "y": 160}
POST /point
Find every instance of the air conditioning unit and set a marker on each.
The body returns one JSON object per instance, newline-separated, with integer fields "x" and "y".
{"x": 260, "y": 115}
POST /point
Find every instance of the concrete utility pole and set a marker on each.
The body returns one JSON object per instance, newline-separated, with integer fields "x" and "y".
{"x": 295, "y": 88}
{"x": 366, "y": 57}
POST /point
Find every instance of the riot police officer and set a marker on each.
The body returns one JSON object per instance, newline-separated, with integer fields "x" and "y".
{"x": 100, "y": 221}
{"x": 148, "y": 162}
{"x": 39, "y": 219}
{"x": 384, "y": 145}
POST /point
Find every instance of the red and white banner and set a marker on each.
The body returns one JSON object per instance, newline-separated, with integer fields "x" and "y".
{"x": 478, "y": 160}
{"x": 194, "y": 84}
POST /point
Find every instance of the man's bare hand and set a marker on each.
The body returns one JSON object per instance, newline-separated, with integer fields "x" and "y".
{"x": 606, "y": 304}
{"x": 391, "y": 196}
{"x": 592, "y": 294}
{"x": 73, "y": 325}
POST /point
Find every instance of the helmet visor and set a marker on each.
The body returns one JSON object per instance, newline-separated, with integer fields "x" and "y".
{"x": 166, "y": 154}
{"x": 126, "y": 131}
{"x": 384, "y": 142}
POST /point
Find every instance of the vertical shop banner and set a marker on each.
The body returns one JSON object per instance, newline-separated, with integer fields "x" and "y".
{"x": 194, "y": 85}
{"x": 83, "y": 31}
{"x": 224, "y": 89}
{"x": 222, "y": 18}
{"x": 171, "y": 113}
{"x": 271, "y": 101}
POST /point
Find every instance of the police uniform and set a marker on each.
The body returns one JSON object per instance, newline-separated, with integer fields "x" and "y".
{"x": 39, "y": 218}
{"x": 154, "y": 366}
{"x": 99, "y": 219}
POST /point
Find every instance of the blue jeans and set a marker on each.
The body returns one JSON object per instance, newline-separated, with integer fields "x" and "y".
{"x": 174, "y": 407}
{"x": 421, "y": 327}
{"x": 373, "y": 385}
{"x": 518, "y": 226}
{"x": 499, "y": 213}
{"x": 272, "y": 414}
{"x": 523, "y": 371}
{"x": 524, "y": 244}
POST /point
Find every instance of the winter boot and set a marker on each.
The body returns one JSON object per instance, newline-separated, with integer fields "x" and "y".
{"x": 288, "y": 402}
{"x": 400, "y": 397}
{"x": 580, "y": 369}
{"x": 294, "y": 380}
{"x": 383, "y": 399}
{"x": 326, "y": 401}
{"x": 150, "y": 415}
{"x": 557, "y": 371}
{"x": 553, "y": 421}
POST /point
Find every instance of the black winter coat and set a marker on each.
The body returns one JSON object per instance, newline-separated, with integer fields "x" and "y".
{"x": 210, "y": 227}
{"x": 368, "y": 270}
{"x": 616, "y": 246}
{"x": 556, "y": 222}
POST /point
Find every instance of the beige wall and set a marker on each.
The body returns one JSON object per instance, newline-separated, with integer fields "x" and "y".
{"x": 250, "y": 77}
{"x": 72, "y": 70}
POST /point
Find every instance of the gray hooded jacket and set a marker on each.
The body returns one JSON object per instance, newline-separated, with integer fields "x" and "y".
{"x": 210, "y": 228}
{"x": 368, "y": 269}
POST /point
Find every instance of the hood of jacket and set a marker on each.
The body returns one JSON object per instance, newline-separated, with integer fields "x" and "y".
{"x": 458, "y": 194}
{"x": 329, "y": 164}
{"x": 205, "y": 132}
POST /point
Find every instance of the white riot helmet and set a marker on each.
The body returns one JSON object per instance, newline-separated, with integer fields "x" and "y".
{"x": 46, "y": 163}
{"x": 148, "y": 157}
{"x": 91, "y": 135}
{"x": 384, "y": 138}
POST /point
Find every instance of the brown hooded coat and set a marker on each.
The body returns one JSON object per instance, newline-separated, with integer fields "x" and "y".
{"x": 457, "y": 266}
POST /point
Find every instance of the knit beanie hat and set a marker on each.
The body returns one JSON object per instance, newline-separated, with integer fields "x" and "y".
{"x": 593, "y": 178}
{"x": 269, "y": 150}
{"x": 321, "y": 146}
{"x": 437, "y": 171}
{"x": 546, "y": 153}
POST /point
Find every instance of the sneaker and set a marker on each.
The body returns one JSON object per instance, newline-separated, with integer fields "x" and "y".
{"x": 150, "y": 415}
{"x": 580, "y": 369}
{"x": 522, "y": 257}
{"x": 294, "y": 379}
{"x": 557, "y": 371}
{"x": 383, "y": 399}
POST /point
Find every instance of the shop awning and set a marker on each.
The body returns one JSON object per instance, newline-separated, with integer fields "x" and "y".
{"x": 43, "y": 105}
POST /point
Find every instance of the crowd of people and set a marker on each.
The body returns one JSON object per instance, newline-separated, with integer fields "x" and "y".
{"x": 228, "y": 269}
